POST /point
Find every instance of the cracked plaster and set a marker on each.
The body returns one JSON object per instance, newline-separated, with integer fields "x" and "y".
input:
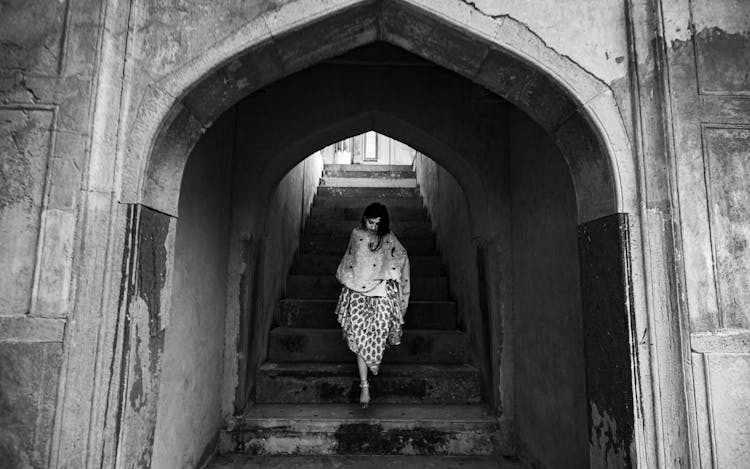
{"x": 600, "y": 52}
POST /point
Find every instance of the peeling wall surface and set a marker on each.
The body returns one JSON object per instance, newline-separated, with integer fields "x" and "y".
{"x": 607, "y": 308}
{"x": 102, "y": 102}
{"x": 143, "y": 315}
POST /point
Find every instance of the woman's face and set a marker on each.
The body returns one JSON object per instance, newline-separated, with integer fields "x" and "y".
{"x": 372, "y": 224}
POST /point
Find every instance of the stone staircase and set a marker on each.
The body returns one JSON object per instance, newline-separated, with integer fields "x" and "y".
{"x": 426, "y": 399}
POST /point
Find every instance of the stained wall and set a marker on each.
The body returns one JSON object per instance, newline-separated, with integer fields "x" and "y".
{"x": 707, "y": 50}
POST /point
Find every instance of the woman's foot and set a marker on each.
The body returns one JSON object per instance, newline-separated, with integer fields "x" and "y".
{"x": 364, "y": 394}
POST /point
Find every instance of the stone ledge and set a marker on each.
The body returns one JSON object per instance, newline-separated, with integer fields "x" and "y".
{"x": 721, "y": 342}
{"x": 31, "y": 329}
{"x": 243, "y": 461}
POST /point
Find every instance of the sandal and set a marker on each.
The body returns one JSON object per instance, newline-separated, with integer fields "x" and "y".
{"x": 365, "y": 391}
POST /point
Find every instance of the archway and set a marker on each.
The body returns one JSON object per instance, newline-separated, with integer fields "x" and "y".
{"x": 578, "y": 111}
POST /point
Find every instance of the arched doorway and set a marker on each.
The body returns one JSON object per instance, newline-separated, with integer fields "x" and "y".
{"x": 576, "y": 110}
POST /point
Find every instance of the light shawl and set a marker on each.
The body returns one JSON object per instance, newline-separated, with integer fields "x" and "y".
{"x": 366, "y": 271}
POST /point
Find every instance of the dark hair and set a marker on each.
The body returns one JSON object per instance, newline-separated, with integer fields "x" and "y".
{"x": 376, "y": 210}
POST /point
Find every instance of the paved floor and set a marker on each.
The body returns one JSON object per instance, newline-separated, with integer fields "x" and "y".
{"x": 362, "y": 462}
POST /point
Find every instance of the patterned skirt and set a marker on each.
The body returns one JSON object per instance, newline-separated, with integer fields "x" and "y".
{"x": 370, "y": 323}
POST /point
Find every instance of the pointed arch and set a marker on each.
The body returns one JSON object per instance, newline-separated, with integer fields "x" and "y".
{"x": 502, "y": 54}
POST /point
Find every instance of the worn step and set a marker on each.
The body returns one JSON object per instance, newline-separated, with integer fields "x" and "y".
{"x": 325, "y": 244}
{"x": 386, "y": 429}
{"x": 391, "y": 203}
{"x": 347, "y": 168}
{"x": 355, "y": 213}
{"x": 326, "y": 286}
{"x": 321, "y": 264}
{"x": 333, "y": 227}
{"x": 372, "y": 174}
{"x": 320, "y": 314}
{"x": 368, "y": 192}
{"x": 343, "y": 461}
{"x": 297, "y": 383}
{"x": 332, "y": 181}
{"x": 327, "y": 345}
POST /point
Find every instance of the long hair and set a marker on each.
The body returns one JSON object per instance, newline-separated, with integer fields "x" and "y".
{"x": 384, "y": 227}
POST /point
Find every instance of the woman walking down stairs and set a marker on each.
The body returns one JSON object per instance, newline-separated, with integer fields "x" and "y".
{"x": 426, "y": 400}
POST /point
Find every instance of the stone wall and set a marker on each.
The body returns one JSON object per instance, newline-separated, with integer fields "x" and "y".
{"x": 549, "y": 360}
{"x": 265, "y": 235}
{"x": 446, "y": 203}
{"x": 192, "y": 364}
{"x": 48, "y": 67}
{"x": 287, "y": 211}
{"x": 545, "y": 326}
{"x": 707, "y": 45}
{"x": 86, "y": 88}
{"x": 29, "y": 375}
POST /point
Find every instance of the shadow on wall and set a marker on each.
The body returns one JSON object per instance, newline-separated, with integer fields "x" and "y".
{"x": 547, "y": 334}
{"x": 191, "y": 375}
{"x": 222, "y": 244}
{"x": 447, "y": 205}
{"x": 541, "y": 344}
{"x": 262, "y": 253}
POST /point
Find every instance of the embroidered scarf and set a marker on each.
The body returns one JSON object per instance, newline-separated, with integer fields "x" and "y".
{"x": 366, "y": 271}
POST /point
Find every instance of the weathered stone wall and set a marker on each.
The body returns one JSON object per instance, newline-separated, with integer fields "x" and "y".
{"x": 75, "y": 136}
{"x": 48, "y": 66}
{"x": 192, "y": 363}
{"x": 545, "y": 327}
{"x": 549, "y": 360}
{"x": 707, "y": 50}
{"x": 29, "y": 374}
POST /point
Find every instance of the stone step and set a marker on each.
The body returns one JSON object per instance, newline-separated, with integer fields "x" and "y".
{"x": 367, "y": 167}
{"x": 327, "y": 345}
{"x": 373, "y": 174}
{"x": 321, "y": 314}
{"x": 342, "y": 461}
{"x": 355, "y": 213}
{"x": 325, "y": 244}
{"x": 386, "y": 429}
{"x": 350, "y": 202}
{"x": 298, "y": 383}
{"x": 326, "y": 286}
{"x": 376, "y": 193}
{"x": 350, "y": 181}
{"x": 321, "y": 264}
{"x": 332, "y": 227}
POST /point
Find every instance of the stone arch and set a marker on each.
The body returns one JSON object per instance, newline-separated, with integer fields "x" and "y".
{"x": 392, "y": 126}
{"x": 500, "y": 54}
{"x": 575, "y": 108}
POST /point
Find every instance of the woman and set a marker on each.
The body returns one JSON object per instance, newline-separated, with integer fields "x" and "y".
{"x": 375, "y": 293}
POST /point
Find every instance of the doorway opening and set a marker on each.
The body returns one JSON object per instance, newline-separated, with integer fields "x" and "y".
{"x": 543, "y": 198}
